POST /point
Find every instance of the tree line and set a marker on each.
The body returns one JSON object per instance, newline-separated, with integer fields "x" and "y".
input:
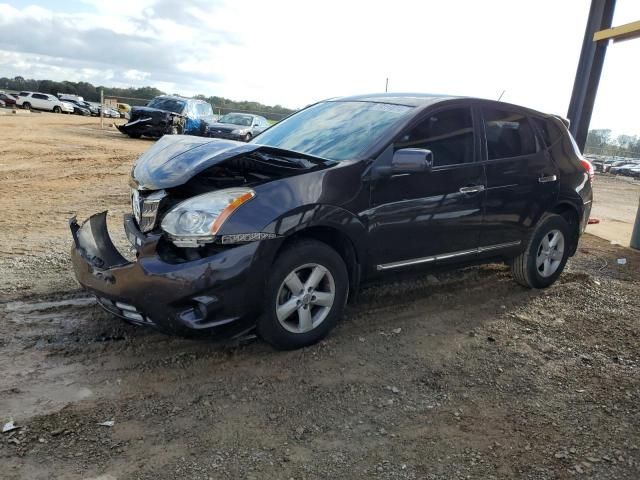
{"x": 602, "y": 142}
{"x": 91, "y": 93}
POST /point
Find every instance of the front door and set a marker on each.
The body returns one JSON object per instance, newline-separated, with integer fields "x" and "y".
{"x": 429, "y": 216}
{"x": 522, "y": 181}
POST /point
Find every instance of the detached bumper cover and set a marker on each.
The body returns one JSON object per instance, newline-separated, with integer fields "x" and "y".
{"x": 144, "y": 126}
{"x": 219, "y": 293}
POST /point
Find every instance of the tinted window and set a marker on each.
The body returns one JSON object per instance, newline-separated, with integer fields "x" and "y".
{"x": 39, "y": 96}
{"x": 448, "y": 134}
{"x": 509, "y": 134}
{"x": 168, "y": 104}
{"x": 204, "y": 110}
{"x": 548, "y": 129}
{"x": 335, "y": 130}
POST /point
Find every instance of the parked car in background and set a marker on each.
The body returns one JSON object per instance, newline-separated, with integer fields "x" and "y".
{"x": 79, "y": 107}
{"x": 611, "y": 164}
{"x": 621, "y": 169}
{"x": 66, "y": 97}
{"x": 8, "y": 99}
{"x": 43, "y": 101}
{"x": 168, "y": 114}
{"x": 238, "y": 126}
{"x": 110, "y": 112}
{"x": 277, "y": 233}
{"x": 82, "y": 104}
{"x": 124, "y": 109}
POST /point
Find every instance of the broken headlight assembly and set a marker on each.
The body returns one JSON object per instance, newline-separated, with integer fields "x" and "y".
{"x": 196, "y": 221}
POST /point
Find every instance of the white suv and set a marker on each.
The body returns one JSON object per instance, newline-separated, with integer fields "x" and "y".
{"x": 43, "y": 101}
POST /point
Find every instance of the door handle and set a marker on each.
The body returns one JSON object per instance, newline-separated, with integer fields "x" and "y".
{"x": 547, "y": 179}
{"x": 472, "y": 189}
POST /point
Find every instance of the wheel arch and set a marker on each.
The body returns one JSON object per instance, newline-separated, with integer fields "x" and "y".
{"x": 572, "y": 215}
{"x": 339, "y": 241}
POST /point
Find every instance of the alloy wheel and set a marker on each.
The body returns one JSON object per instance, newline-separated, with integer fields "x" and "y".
{"x": 305, "y": 298}
{"x": 550, "y": 253}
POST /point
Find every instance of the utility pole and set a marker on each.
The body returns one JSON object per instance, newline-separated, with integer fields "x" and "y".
{"x": 101, "y": 108}
{"x": 386, "y": 86}
{"x": 635, "y": 235}
{"x": 597, "y": 36}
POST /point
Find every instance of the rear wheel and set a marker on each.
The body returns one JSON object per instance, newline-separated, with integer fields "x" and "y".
{"x": 304, "y": 296}
{"x": 546, "y": 254}
{"x": 56, "y": 109}
{"x": 26, "y": 106}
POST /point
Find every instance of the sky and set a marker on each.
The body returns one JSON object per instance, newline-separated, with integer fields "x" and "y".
{"x": 293, "y": 52}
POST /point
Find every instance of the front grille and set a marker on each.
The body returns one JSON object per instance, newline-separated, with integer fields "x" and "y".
{"x": 145, "y": 208}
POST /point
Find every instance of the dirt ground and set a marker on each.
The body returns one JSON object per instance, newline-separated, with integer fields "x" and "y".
{"x": 447, "y": 376}
{"x": 615, "y": 205}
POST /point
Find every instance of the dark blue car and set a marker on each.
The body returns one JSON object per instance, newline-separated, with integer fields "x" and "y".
{"x": 169, "y": 114}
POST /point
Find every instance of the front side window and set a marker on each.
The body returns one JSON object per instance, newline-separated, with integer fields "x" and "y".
{"x": 509, "y": 134}
{"x": 39, "y": 96}
{"x": 205, "y": 110}
{"x": 335, "y": 130}
{"x": 448, "y": 134}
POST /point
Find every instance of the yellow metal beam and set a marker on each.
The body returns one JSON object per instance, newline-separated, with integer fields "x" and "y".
{"x": 618, "y": 34}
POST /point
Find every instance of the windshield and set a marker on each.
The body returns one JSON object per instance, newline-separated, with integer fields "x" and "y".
{"x": 235, "y": 119}
{"x": 168, "y": 104}
{"x": 333, "y": 130}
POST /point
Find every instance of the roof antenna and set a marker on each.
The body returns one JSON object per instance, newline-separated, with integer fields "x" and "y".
{"x": 501, "y": 95}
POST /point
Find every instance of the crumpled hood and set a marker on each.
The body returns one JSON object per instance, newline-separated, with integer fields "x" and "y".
{"x": 175, "y": 159}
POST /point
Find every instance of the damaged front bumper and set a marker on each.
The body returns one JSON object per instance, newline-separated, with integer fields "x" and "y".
{"x": 145, "y": 126}
{"x": 219, "y": 294}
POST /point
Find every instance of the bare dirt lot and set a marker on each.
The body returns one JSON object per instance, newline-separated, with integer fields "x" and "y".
{"x": 615, "y": 205}
{"x": 463, "y": 375}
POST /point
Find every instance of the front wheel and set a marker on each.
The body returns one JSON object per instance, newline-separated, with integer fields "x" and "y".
{"x": 56, "y": 109}
{"x": 304, "y": 296}
{"x": 247, "y": 137}
{"x": 546, "y": 254}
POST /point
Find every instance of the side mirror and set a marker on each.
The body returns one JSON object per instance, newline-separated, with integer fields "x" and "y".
{"x": 410, "y": 160}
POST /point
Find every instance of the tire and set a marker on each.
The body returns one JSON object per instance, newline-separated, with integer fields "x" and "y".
{"x": 546, "y": 254}
{"x": 247, "y": 137}
{"x": 134, "y": 135}
{"x": 56, "y": 109}
{"x": 299, "y": 266}
{"x": 26, "y": 106}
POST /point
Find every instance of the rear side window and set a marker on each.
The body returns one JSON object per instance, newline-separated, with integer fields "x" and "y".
{"x": 448, "y": 134}
{"x": 39, "y": 96}
{"x": 549, "y": 130}
{"x": 509, "y": 134}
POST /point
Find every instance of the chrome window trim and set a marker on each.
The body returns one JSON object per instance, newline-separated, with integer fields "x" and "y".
{"x": 445, "y": 256}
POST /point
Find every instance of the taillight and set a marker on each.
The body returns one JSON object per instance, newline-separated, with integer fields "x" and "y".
{"x": 588, "y": 167}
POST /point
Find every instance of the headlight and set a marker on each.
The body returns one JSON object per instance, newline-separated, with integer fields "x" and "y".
{"x": 196, "y": 221}
{"x": 239, "y": 131}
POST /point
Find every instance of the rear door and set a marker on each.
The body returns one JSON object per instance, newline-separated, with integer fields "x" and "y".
{"x": 40, "y": 101}
{"x": 522, "y": 181}
{"x": 424, "y": 217}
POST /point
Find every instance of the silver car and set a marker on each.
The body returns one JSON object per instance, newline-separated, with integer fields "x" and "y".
{"x": 238, "y": 126}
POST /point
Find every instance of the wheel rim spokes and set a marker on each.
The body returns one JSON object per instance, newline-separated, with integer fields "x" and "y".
{"x": 550, "y": 253}
{"x": 305, "y": 298}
